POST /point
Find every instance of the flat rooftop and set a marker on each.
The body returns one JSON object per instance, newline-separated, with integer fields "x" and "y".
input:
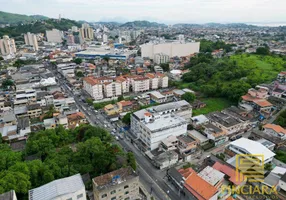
{"x": 223, "y": 119}
{"x": 114, "y": 178}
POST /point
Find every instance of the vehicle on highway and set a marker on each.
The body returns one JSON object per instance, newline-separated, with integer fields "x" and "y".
{"x": 117, "y": 138}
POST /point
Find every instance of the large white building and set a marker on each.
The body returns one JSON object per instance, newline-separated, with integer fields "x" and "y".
{"x": 86, "y": 32}
{"x": 7, "y": 47}
{"x": 140, "y": 84}
{"x": 161, "y": 58}
{"x": 62, "y": 189}
{"x": 93, "y": 87}
{"x": 170, "y": 49}
{"x": 31, "y": 40}
{"x": 54, "y": 35}
{"x": 112, "y": 89}
{"x": 157, "y": 123}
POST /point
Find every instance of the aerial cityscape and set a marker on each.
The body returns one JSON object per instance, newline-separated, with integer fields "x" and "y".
{"x": 143, "y": 100}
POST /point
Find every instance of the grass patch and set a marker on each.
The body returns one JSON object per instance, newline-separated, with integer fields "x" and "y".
{"x": 213, "y": 104}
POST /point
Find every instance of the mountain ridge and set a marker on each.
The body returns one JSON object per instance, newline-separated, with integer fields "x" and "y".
{"x": 13, "y": 18}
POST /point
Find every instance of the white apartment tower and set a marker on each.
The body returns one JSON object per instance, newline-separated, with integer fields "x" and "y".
{"x": 54, "y": 35}
{"x": 7, "y": 46}
{"x": 161, "y": 58}
{"x": 31, "y": 40}
{"x": 86, "y": 32}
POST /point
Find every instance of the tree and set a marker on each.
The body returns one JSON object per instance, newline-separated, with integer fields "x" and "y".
{"x": 106, "y": 59}
{"x": 89, "y": 101}
{"x": 17, "y": 181}
{"x": 78, "y": 61}
{"x": 165, "y": 67}
{"x": 131, "y": 160}
{"x": 7, "y": 83}
{"x": 268, "y": 167}
{"x": 189, "y": 97}
{"x": 79, "y": 74}
{"x": 120, "y": 98}
{"x": 1, "y": 58}
{"x": 262, "y": 51}
{"x": 127, "y": 119}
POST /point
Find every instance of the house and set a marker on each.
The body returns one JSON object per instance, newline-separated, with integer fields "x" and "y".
{"x": 176, "y": 178}
{"x": 34, "y": 110}
{"x": 273, "y": 178}
{"x": 169, "y": 143}
{"x": 125, "y": 106}
{"x": 275, "y": 130}
{"x": 119, "y": 184}
{"x": 165, "y": 159}
{"x": 200, "y": 138}
{"x": 226, "y": 122}
{"x": 50, "y": 123}
{"x": 217, "y": 135}
{"x": 76, "y": 119}
{"x": 62, "y": 120}
{"x": 157, "y": 97}
{"x": 186, "y": 146}
{"x": 212, "y": 176}
{"x": 199, "y": 120}
{"x": 282, "y": 185}
{"x": 24, "y": 126}
{"x": 198, "y": 188}
{"x": 66, "y": 188}
{"x": 198, "y": 104}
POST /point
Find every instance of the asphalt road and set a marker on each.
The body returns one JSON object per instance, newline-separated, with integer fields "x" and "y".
{"x": 150, "y": 177}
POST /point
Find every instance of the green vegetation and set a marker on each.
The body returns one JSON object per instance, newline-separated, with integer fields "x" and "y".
{"x": 281, "y": 155}
{"x": 11, "y": 18}
{"x": 212, "y": 104}
{"x": 79, "y": 74}
{"x": 263, "y": 51}
{"x": 188, "y": 165}
{"x": 220, "y": 156}
{"x": 77, "y": 61}
{"x": 38, "y": 27}
{"x": 7, "y": 83}
{"x": 189, "y": 97}
{"x": 268, "y": 167}
{"x": 281, "y": 119}
{"x": 20, "y": 63}
{"x": 165, "y": 67}
{"x": 209, "y": 46}
{"x": 102, "y": 104}
{"x": 127, "y": 119}
{"x": 231, "y": 77}
{"x": 61, "y": 153}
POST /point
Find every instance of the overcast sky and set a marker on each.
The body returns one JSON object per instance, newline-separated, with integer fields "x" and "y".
{"x": 167, "y": 11}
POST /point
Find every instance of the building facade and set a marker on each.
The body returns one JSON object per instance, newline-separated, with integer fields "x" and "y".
{"x": 31, "y": 40}
{"x": 7, "y": 46}
{"x": 86, "y": 32}
{"x": 92, "y": 87}
{"x": 161, "y": 58}
{"x": 54, "y": 35}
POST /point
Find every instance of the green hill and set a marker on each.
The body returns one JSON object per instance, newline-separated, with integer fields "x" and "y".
{"x": 143, "y": 24}
{"x": 11, "y": 18}
{"x": 38, "y": 27}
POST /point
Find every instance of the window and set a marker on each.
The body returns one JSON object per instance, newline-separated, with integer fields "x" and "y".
{"x": 126, "y": 192}
{"x": 104, "y": 195}
{"x": 79, "y": 196}
{"x": 113, "y": 192}
{"x": 126, "y": 186}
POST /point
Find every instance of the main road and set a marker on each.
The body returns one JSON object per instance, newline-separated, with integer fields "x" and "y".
{"x": 150, "y": 177}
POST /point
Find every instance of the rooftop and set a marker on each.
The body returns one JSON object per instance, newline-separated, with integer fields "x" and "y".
{"x": 211, "y": 175}
{"x": 223, "y": 119}
{"x": 198, "y": 136}
{"x": 253, "y": 147}
{"x": 276, "y": 128}
{"x": 114, "y": 177}
{"x": 57, "y": 188}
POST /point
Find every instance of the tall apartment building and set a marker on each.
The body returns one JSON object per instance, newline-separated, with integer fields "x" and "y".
{"x": 140, "y": 84}
{"x": 119, "y": 184}
{"x": 7, "y": 46}
{"x": 104, "y": 38}
{"x": 54, "y": 35}
{"x": 69, "y": 188}
{"x": 112, "y": 89}
{"x": 161, "y": 58}
{"x": 154, "y": 81}
{"x": 157, "y": 123}
{"x": 70, "y": 39}
{"x": 31, "y": 40}
{"x": 163, "y": 80}
{"x": 93, "y": 87}
{"x": 125, "y": 86}
{"x": 86, "y": 32}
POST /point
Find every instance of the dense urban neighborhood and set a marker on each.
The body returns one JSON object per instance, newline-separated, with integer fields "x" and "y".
{"x": 141, "y": 110}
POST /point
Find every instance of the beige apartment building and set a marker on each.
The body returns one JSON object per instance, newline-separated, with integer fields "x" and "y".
{"x": 140, "y": 84}
{"x": 93, "y": 87}
{"x": 31, "y": 40}
{"x": 121, "y": 184}
{"x": 112, "y": 89}
{"x": 86, "y": 32}
{"x": 7, "y": 46}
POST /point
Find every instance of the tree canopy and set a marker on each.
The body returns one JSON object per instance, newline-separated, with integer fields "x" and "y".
{"x": 189, "y": 97}
{"x": 77, "y": 61}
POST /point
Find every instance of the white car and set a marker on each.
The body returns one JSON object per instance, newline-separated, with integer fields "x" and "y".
{"x": 117, "y": 138}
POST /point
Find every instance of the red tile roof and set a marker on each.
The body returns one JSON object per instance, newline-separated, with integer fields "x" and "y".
{"x": 262, "y": 103}
{"x": 276, "y": 128}
{"x": 125, "y": 103}
{"x": 150, "y": 75}
{"x": 199, "y": 187}
{"x": 90, "y": 80}
{"x": 227, "y": 170}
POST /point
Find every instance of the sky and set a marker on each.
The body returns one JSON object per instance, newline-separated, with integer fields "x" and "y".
{"x": 165, "y": 11}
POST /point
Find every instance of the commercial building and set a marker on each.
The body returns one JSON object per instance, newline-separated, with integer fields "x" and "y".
{"x": 31, "y": 40}
{"x": 170, "y": 49}
{"x": 119, "y": 184}
{"x": 54, "y": 35}
{"x": 157, "y": 123}
{"x": 161, "y": 58}
{"x": 86, "y": 32}
{"x": 66, "y": 188}
{"x": 7, "y": 47}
